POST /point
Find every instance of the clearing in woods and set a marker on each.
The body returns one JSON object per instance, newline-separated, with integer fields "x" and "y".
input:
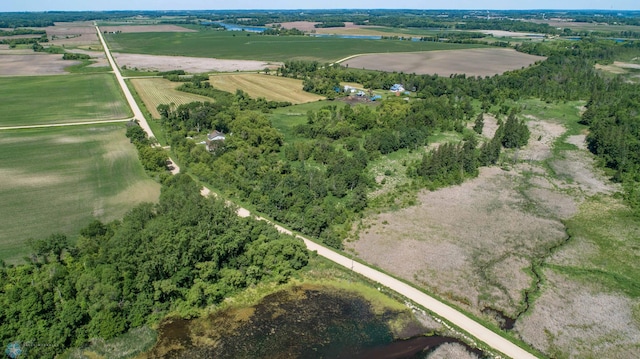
{"x": 260, "y": 85}
{"x": 42, "y": 100}
{"x": 157, "y": 91}
{"x": 59, "y": 179}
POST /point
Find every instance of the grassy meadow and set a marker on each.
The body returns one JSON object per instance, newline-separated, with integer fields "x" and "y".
{"x": 285, "y": 119}
{"x": 250, "y": 46}
{"x": 41, "y": 100}
{"x": 157, "y": 91}
{"x": 59, "y": 179}
{"x": 260, "y": 85}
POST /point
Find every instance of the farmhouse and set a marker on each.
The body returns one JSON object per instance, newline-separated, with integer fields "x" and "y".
{"x": 349, "y": 89}
{"x": 214, "y": 140}
{"x": 396, "y": 88}
{"x": 216, "y": 136}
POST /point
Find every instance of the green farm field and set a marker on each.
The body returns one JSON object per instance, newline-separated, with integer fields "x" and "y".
{"x": 59, "y": 179}
{"x": 41, "y": 100}
{"x": 247, "y": 46}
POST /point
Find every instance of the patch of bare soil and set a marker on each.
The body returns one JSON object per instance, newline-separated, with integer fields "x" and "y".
{"x": 98, "y": 56}
{"x": 581, "y": 322}
{"x": 473, "y": 62}
{"x": 188, "y": 64}
{"x": 578, "y": 141}
{"x": 543, "y": 134}
{"x": 19, "y": 37}
{"x": 309, "y": 26}
{"x": 305, "y": 26}
{"x": 33, "y": 64}
{"x": 72, "y": 34}
{"x": 502, "y": 33}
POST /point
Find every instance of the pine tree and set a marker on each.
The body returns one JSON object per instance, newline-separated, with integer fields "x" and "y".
{"x": 479, "y": 124}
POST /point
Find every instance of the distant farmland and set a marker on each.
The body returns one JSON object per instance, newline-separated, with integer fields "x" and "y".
{"x": 59, "y": 179}
{"x": 472, "y": 62}
{"x": 247, "y": 46}
{"x": 270, "y": 87}
{"x": 37, "y": 100}
{"x": 156, "y": 91}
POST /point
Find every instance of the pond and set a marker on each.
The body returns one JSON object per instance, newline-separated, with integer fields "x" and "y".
{"x": 303, "y": 322}
{"x": 234, "y": 27}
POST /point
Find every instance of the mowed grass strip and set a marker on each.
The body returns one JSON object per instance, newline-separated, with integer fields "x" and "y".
{"x": 59, "y": 179}
{"x": 268, "y": 86}
{"x": 157, "y": 91}
{"x": 248, "y": 46}
{"x": 41, "y": 100}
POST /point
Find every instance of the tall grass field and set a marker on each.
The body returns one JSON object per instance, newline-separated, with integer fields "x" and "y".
{"x": 41, "y": 100}
{"x": 157, "y": 91}
{"x": 59, "y": 179}
{"x": 270, "y": 87}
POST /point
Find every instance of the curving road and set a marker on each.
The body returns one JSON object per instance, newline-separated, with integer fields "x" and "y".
{"x": 443, "y": 310}
{"x": 137, "y": 113}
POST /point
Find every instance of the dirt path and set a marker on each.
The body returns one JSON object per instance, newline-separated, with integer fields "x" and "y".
{"x": 63, "y": 124}
{"x": 441, "y": 309}
{"x": 137, "y": 113}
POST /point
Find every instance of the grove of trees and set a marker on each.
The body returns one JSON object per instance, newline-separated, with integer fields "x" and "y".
{"x": 181, "y": 255}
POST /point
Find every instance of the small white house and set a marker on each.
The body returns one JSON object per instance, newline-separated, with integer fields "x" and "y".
{"x": 349, "y": 89}
{"x": 216, "y": 136}
{"x": 214, "y": 140}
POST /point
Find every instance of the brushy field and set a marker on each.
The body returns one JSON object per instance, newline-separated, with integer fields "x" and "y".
{"x": 59, "y": 179}
{"x": 542, "y": 238}
{"x": 260, "y": 85}
{"x": 247, "y": 46}
{"x": 285, "y": 119}
{"x": 592, "y": 286}
{"x": 45, "y": 100}
{"x": 157, "y": 91}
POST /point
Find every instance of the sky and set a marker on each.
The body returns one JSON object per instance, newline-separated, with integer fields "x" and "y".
{"x": 78, "y": 5}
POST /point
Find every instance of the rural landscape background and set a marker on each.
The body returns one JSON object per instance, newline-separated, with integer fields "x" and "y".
{"x": 320, "y": 183}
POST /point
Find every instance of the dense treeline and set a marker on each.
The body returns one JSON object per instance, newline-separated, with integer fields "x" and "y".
{"x": 153, "y": 158}
{"x": 452, "y": 163}
{"x": 279, "y": 31}
{"x": 75, "y": 56}
{"x": 613, "y": 116}
{"x": 16, "y": 32}
{"x": 184, "y": 253}
{"x": 307, "y": 191}
{"x": 13, "y": 42}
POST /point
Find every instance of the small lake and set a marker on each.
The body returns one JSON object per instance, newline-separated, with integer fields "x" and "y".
{"x": 234, "y": 27}
{"x": 302, "y": 322}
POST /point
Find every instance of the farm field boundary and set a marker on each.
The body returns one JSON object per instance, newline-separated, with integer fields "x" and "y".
{"x": 270, "y": 87}
{"x": 472, "y": 62}
{"x": 232, "y": 45}
{"x": 59, "y": 179}
{"x": 42, "y": 100}
{"x": 159, "y": 91}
